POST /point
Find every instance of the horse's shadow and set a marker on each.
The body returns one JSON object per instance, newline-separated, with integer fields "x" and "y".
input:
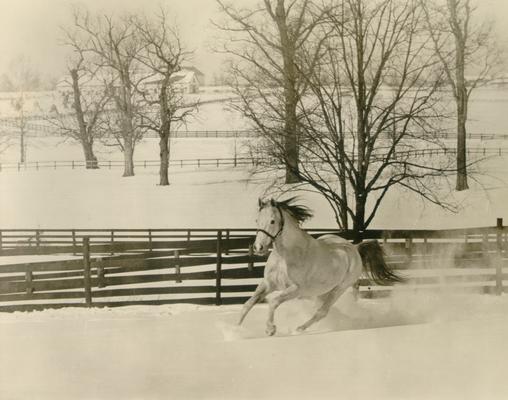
{"x": 347, "y": 315}
{"x": 360, "y": 317}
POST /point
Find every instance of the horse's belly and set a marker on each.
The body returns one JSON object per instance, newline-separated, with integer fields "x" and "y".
{"x": 319, "y": 281}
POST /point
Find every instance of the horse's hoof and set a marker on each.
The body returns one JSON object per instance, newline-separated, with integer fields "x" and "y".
{"x": 270, "y": 330}
{"x": 300, "y": 329}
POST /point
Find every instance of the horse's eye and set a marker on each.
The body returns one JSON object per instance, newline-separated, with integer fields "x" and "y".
{"x": 272, "y": 222}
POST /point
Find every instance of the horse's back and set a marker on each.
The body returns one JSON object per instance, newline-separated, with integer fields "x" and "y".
{"x": 337, "y": 244}
{"x": 345, "y": 250}
{"x": 333, "y": 240}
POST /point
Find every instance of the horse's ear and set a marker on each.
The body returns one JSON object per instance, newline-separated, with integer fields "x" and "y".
{"x": 272, "y": 202}
{"x": 260, "y": 203}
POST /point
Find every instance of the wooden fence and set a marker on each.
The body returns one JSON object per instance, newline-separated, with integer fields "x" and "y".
{"x": 115, "y": 267}
{"x": 224, "y": 162}
{"x": 110, "y": 164}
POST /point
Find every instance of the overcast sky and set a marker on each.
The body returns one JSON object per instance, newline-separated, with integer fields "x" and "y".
{"x": 31, "y": 27}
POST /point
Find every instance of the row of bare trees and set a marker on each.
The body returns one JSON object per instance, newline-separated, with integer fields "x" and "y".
{"x": 342, "y": 91}
{"x": 121, "y": 76}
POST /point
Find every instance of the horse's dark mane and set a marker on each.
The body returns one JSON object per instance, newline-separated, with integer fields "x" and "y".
{"x": 298, "y": 212}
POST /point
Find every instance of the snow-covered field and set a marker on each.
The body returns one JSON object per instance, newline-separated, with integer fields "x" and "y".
{"x": 212, "y": 197}
{"x": 409, "y": 347}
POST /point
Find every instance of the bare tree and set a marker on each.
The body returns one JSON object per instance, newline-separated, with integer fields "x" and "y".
{"x": 21, "y": 120}
{"x": 466, "y": 50}
{"x": 368, "y": 123}
{"x": 114, "y": 43}
{"x": 163, "y": 56}
{"x": 265, "y": 43}
{"x": 90, "y": 97}
{"x": 23, "y": 79}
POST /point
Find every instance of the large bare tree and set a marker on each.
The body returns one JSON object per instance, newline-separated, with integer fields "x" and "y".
{"x": 115, "y": 45}
{"x": 368, "y": 121}
{"x": 163, "y": 56}
{"x": 265, "y": 43}
{"x": 88, "y": 96}
{"x": 466, "y": 49}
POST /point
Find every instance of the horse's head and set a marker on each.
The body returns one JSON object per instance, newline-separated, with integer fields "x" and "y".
{"x": 270, "y": 223}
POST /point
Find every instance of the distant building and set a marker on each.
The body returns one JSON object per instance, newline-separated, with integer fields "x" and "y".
{"x": 187, "y": 80}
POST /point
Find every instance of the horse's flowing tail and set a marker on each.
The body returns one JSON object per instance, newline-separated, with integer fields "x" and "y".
{"x": 374, "y": 263}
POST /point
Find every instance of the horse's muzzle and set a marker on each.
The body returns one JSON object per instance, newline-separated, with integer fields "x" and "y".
{"x": 260, "y": 250}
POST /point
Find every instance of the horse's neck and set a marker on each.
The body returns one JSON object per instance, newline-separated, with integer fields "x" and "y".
{"x": 293, "y": 242}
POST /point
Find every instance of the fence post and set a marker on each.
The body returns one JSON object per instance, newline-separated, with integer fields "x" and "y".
{"x": 499, "y": 258}
{"x": 37, "y": 238}
{"x": 409, "y": 248}
{"x": 29, "y": 279}
{"x": 101, "y": 273}
{"x": 178, "y": 278}
{"x": 425, "y": 250}
{"x": 74, "y": 241}
{"x": 86, "y": 270}
{"x": 226, "y": 250}
{"x": 112, "y": 251}
{"x": 485, "y": 247}
{"x": 218, "y": 270}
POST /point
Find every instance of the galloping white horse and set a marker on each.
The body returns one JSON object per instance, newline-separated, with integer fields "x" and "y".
{"x": 301, "y": 266}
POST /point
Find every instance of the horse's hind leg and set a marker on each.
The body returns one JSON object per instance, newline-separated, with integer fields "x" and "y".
{"x": 328, "y": 300}
{"x": 287, "y": 294}
{"x": 259, "y": 294}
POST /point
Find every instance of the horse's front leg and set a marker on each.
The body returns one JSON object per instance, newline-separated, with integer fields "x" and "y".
{"x": 287, "y": 294}
{"x": 259, "y": 294}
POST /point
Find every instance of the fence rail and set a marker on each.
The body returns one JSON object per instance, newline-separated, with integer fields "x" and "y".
{"x": 117, "y": 267}
{"x": 221, "y": 162}
{"x": 110, "y": 164}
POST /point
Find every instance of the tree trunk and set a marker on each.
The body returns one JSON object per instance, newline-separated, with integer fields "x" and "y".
{"x": 84, "y": 130}
{"x": 164, "y": 155}
{"x": 461, "y": 97}
{"x": 290, "y": 95}
{"x": 461, "y": 183}
{"x": 90, "y": 158}
{"x": 344, "y": 221}
{"x": 128, "y": 155}
{"x": 22, "y": 146}
{"x": 292, "y": 154}
{"x": 359, "y": 218}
